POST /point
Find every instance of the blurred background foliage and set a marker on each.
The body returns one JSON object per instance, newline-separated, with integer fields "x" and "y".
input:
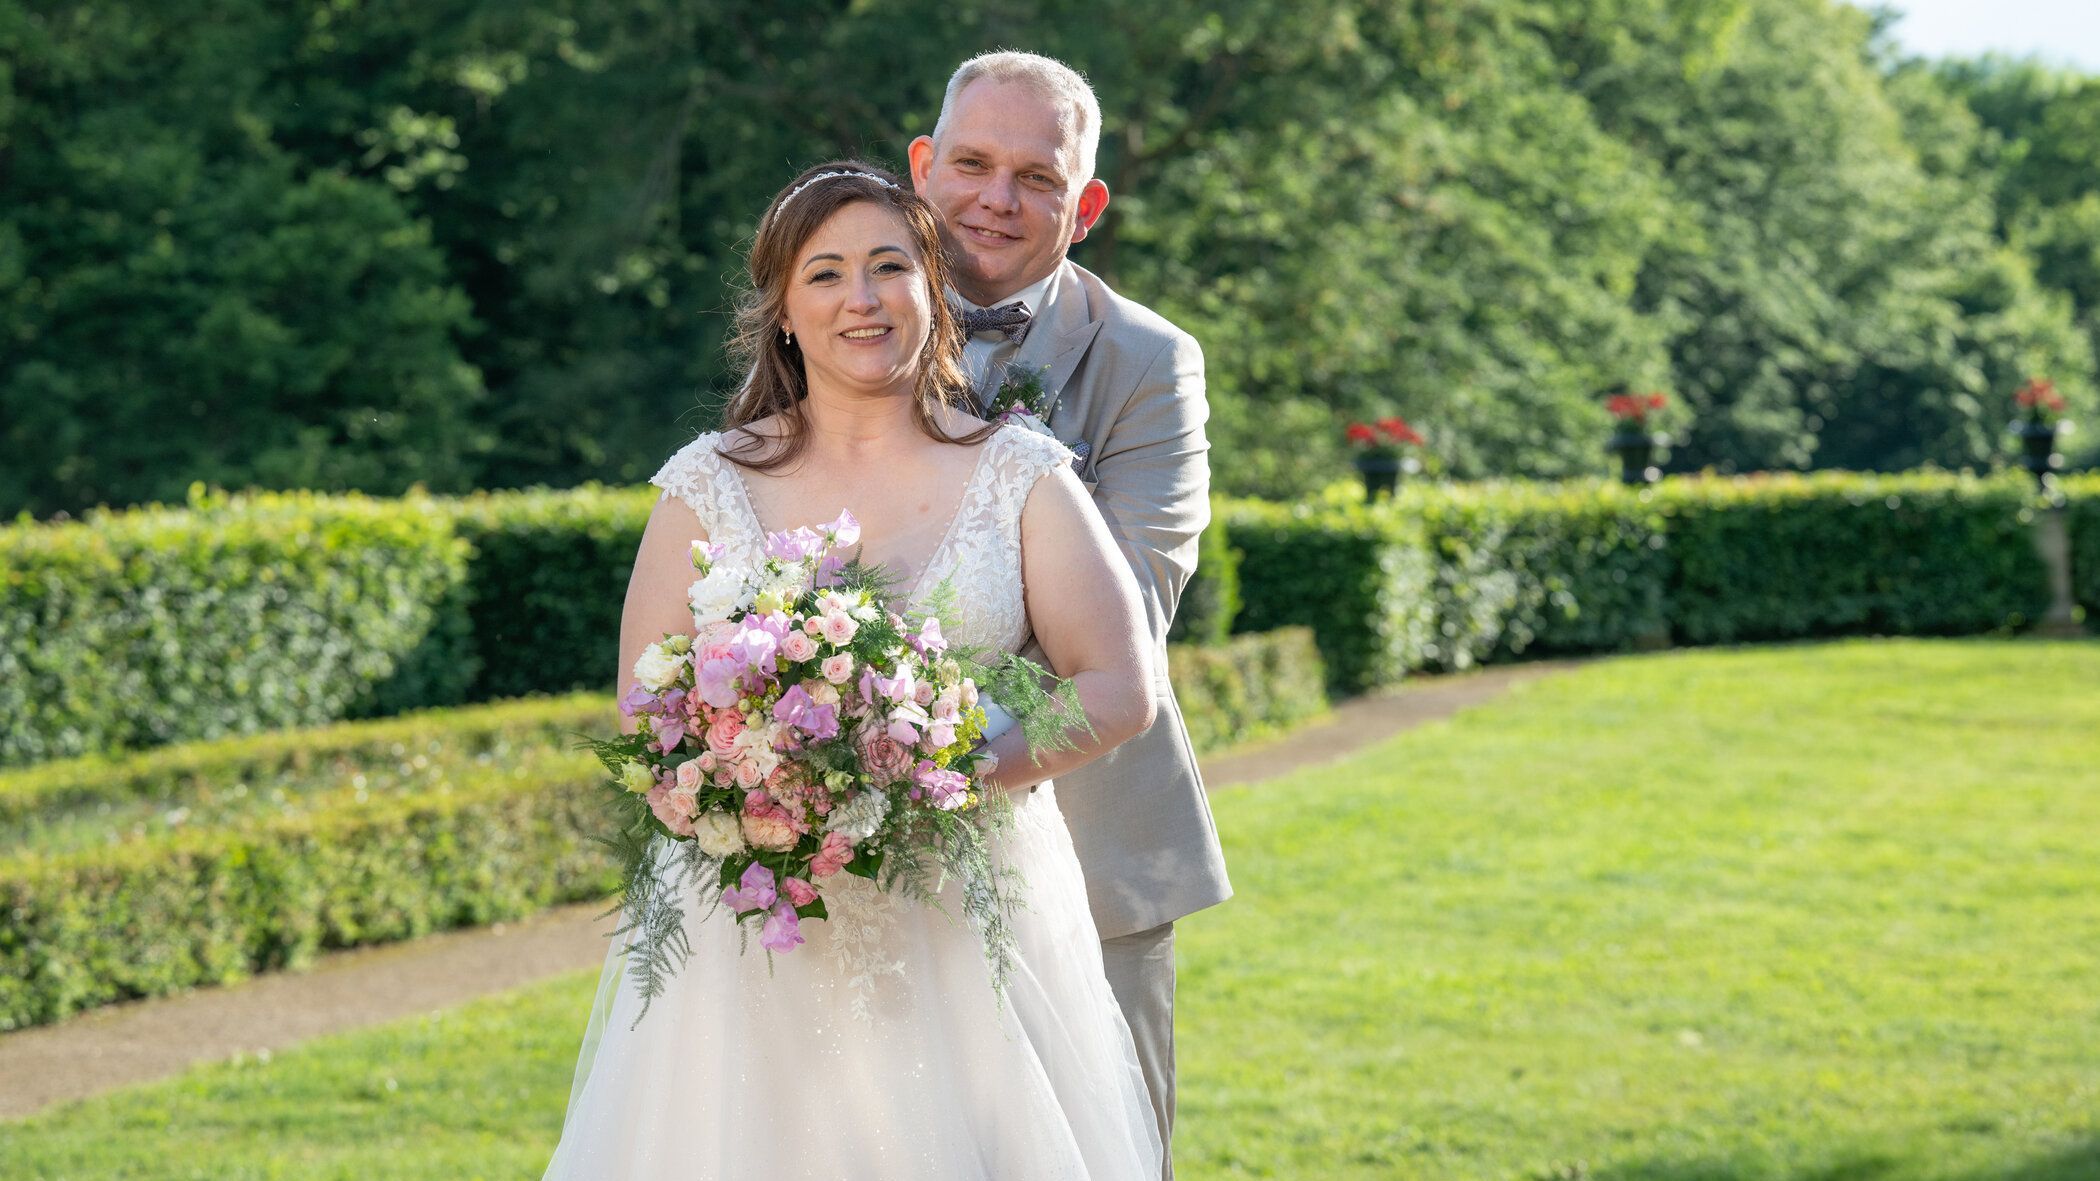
{"x": 368, "y": 244}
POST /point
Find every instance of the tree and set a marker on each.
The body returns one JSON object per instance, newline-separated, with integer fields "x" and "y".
{"x": 183, "y": 303}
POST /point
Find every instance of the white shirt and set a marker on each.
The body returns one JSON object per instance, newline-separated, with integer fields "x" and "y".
{"x": 982, "y": 355}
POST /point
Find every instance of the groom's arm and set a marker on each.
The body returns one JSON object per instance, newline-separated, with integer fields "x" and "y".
{"x": 1152, "y": 477}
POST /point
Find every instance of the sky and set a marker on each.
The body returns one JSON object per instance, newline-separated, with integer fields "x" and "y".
{"x": 2064, "y": 32}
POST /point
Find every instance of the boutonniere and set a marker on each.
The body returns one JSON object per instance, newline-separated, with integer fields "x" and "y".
{"x": 1023, "y": 400}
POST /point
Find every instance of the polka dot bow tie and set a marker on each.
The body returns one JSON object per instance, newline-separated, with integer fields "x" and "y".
{"x": 1007, "y": 320}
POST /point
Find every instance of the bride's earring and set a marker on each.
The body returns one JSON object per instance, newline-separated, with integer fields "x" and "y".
{"x": 787, "y": 335}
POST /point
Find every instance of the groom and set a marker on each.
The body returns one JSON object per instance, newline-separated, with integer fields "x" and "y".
{"x": 1010, "y": 167}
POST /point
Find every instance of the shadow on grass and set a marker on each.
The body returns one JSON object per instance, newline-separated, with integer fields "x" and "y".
{"x": 2079, "y": 1162}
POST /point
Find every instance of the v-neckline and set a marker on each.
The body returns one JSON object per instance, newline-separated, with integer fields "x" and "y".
{"x": 918, "y": 580}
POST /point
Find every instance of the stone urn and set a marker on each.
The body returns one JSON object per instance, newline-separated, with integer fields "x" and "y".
{"x": 1636, "y": 449}
{"x": 1381, "y": 473}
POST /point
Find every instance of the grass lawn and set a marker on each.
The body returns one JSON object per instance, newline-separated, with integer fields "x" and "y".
{"x": 1826, "y": 912}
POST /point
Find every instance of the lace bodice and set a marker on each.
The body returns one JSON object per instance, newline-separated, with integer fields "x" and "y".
{"x": 979, "y": 555}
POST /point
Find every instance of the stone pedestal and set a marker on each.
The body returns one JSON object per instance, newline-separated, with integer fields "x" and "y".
{"x": 2052, "y": 540}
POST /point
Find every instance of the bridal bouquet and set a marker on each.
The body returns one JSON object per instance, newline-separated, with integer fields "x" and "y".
{"x": 808, "y": 728}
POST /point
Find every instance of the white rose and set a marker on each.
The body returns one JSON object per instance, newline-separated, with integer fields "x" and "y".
{"x": 658, "y": 667}
{"x": 718, "y": 596}
{"x": 718, "y": 834}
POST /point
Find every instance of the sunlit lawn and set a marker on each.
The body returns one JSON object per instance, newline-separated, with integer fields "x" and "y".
{"x": 1825, "y": 912}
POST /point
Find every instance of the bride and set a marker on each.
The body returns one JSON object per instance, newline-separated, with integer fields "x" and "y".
{"x": 879, "y": 1049}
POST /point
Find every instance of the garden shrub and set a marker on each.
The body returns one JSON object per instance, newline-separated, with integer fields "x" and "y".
{"x": 230, "y": 616}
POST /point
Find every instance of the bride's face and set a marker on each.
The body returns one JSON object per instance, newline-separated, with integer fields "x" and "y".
{"x": 857, "y": 301}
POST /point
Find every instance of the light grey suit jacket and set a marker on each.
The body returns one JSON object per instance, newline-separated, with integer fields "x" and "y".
{"x": 1130, "y": 385}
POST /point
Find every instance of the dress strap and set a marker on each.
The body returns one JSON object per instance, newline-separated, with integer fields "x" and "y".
{"x": 698, "y": 475}
{"x": 1026, "y": 456}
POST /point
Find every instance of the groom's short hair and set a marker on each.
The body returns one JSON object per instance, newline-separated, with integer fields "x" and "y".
{"x": 1051, "y": 78}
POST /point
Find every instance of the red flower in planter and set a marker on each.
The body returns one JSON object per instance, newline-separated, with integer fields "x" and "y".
{"x": 2044, "y": 406}
{"x": 1386, "y": 435}
{"x": 1634, "y": 409}
{"x": 1398, "y": 431}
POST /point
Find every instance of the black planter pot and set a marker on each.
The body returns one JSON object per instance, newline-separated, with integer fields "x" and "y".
{"x": 1636, "y": 451}
{"x": 2038, "y": 447}
{"x": 1381, "y": 473}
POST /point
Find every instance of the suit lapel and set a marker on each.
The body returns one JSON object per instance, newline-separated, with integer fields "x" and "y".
{"x": 1057, "y": 341}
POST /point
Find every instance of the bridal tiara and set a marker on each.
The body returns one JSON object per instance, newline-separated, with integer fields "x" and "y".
{"x": 797, "y": 190}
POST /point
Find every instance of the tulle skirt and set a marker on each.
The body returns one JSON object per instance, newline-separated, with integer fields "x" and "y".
{"x": 877, "y": 1049}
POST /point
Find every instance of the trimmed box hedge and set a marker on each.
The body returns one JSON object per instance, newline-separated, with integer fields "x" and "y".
{"x": 1359, "y": 576}
{"x": 253, "y": 613}
{"x": 1512, "y": 569}
{"x": 548, "y": 584}
{"x": 101, "y": 800}
{"x": 1249, "y": 687}
{"x": 1784, "y": 557}
{"x": 160, "y": 625}
{"x": 369, "y": 832}
{"x": 1528, "y": 569}
{"x": 465, "y": 840}
{"x": 1210, "y": 603}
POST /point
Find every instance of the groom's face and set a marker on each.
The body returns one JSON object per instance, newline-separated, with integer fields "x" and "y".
{"x": 1004, "y": 178}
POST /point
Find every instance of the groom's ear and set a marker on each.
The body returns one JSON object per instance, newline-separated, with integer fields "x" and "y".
{"x": 920, "y": 154}
{"x": 1093, "y": 201}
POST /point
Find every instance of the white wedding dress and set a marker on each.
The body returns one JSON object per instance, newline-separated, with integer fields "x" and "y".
{"x": 877, "y": 1049}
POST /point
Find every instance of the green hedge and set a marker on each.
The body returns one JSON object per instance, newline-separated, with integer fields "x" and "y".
{"x": 240, "y": 615}
{"x": 1521, "y": 569}
{"x": 549, "y": 581}
{"x": 100, "y": 800}
{"x": 468, "y": 839}
{"x": 2082, "y": 508}
{"x": 372, "y": 832}
{"x": 1781, "y": 557}
{"x": 1540, "y": 568}
{"x": 1210, "y": 603}
{"x": 138, "y": 628}
{"x": 1248, "y": 687}
{"x": 1358, "y": 576}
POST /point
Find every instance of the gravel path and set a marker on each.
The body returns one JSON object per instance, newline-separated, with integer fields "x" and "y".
{"x": 119, "y": 1045}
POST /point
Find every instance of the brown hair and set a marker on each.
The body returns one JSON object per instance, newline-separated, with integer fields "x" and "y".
{"x": 775, "y": 382}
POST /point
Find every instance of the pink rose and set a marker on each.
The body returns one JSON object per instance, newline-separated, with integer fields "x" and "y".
{"x": 837, "y": 851}
{"x": 689, "y": 775}
{"x": 798, "y": 647}
{"x": 838, "y": 669}
{"x": 770, "y": 830}
{"x": 840, "y": 629}
{"x": 748, "y": 775}
{"x": 674, "y": 808}
{"x": 885, "y": 759}
{"x": 722, "y": 732}
{"x": 799, "y": 892}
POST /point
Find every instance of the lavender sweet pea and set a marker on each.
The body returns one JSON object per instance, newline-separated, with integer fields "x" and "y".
{"x": 754, "y": 891}
{"x": 798, "y": 709}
